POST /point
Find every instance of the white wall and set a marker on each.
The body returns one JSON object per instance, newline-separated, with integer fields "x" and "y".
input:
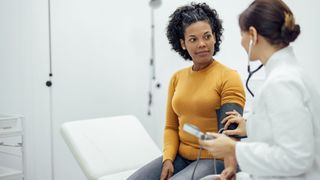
{"x": 101, "y": 52}
{"x": 23, "y": 72}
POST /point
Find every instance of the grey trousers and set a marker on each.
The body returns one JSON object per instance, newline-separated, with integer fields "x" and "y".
{"x": 183, "y": 169}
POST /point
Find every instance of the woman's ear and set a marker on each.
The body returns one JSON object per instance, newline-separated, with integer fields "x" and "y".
{"x": 182, "y": 44}
{"x": 214, "y": 37}
{"x": 253, "y": 35}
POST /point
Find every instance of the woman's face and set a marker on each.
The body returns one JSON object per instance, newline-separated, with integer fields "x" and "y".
{"x": 199, "y": 41}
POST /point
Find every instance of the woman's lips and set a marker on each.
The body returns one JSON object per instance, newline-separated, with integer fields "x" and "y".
{"x": 202, "y": 53}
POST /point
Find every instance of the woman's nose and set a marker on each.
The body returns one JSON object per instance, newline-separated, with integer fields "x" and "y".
{"x": 201, "y": 44}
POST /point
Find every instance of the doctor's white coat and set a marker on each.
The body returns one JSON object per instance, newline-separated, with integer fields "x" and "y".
{"x": 283, "y": 129}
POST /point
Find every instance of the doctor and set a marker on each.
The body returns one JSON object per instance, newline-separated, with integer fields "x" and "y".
{"x": 283, "y": 129}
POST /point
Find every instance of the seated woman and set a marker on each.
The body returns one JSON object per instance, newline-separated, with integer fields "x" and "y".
{"x": 195, "y": 96}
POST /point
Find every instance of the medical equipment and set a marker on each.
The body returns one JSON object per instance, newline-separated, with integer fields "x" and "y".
{"x": 221, "y": 114}
{"x": 153, "y": 82}
{"x": 155, "y": 3}
{"x": 109, "y": 147}
{"x": 249, "y": 69}
{"x": 12, "y": 148}
{"x": 194, "y": 130}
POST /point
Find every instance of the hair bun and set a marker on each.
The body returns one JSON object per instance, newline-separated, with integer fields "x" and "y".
{"x": 289, "y": 30}
{"x": 290, "y": 34}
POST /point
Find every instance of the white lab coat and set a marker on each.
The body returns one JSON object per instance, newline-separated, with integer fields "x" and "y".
{"x": 283, "y": 129}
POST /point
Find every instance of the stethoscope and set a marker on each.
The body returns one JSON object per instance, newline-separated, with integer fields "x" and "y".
{"x": 249, "y": 69}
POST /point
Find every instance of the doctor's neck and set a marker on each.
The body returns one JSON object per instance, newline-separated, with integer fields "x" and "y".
{"x": 265, "y": 50}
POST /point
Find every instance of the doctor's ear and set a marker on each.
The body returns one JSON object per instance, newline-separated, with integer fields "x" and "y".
{"x": 253, "y": 35}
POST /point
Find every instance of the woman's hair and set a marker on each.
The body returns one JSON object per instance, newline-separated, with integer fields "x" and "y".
{"x": 185, "y": 16}
{"x": 272, "y": 19}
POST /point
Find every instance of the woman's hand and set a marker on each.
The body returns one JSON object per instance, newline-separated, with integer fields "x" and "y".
{"x": 167, "y": 170}
{"x": 234, "y": 117}
{"x": 220, "y": 147}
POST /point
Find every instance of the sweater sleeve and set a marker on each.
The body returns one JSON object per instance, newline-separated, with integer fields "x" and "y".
{"x": 171, "y": 136}
{"x": 232, "y": 89}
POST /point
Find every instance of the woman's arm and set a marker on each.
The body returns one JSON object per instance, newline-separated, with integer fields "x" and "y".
{"x": 171, "y": 134}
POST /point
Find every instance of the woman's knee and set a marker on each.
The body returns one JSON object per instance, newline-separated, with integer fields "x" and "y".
{"x": 152, "y": 170}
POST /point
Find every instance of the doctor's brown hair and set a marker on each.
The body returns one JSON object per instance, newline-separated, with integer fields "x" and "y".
{"x": 272, "y": 19}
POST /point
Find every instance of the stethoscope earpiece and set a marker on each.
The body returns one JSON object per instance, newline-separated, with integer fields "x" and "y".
{"x": 248, "y": 69}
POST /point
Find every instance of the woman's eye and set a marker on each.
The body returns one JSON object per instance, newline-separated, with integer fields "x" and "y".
{"x": 207, "y": 36}
{"x": 192, "y": 39}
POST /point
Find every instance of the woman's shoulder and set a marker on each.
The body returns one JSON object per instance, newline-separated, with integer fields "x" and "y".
{"x": 181, "y": 71}
{"x": 225, "y": 70}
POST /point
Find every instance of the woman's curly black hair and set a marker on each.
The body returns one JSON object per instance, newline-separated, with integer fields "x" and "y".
{"x": 186, "y": 15}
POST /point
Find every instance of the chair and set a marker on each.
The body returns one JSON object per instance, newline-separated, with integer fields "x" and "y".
{"x": 109, "y": 147}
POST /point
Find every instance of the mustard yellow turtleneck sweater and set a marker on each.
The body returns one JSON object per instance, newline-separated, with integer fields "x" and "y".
{"x": 193, "y": 97}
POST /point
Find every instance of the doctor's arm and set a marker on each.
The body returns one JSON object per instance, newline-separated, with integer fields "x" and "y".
{"x": 291, "y": 150}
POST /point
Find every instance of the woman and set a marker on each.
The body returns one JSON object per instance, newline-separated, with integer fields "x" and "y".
{"x": 195, "y": 95}
{"x": 282, "y": 129}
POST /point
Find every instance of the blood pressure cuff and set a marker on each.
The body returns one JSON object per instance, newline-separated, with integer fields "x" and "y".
{"x": 221, "y": 114}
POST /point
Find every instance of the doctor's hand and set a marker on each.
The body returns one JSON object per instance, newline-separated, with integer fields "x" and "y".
{"x": 234, "y": 117}
{"x": 228, "y": 173}
{"x": 230, "y": 169}
{"x": 220, "y": 147}
{"x": 167, "y": 170}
